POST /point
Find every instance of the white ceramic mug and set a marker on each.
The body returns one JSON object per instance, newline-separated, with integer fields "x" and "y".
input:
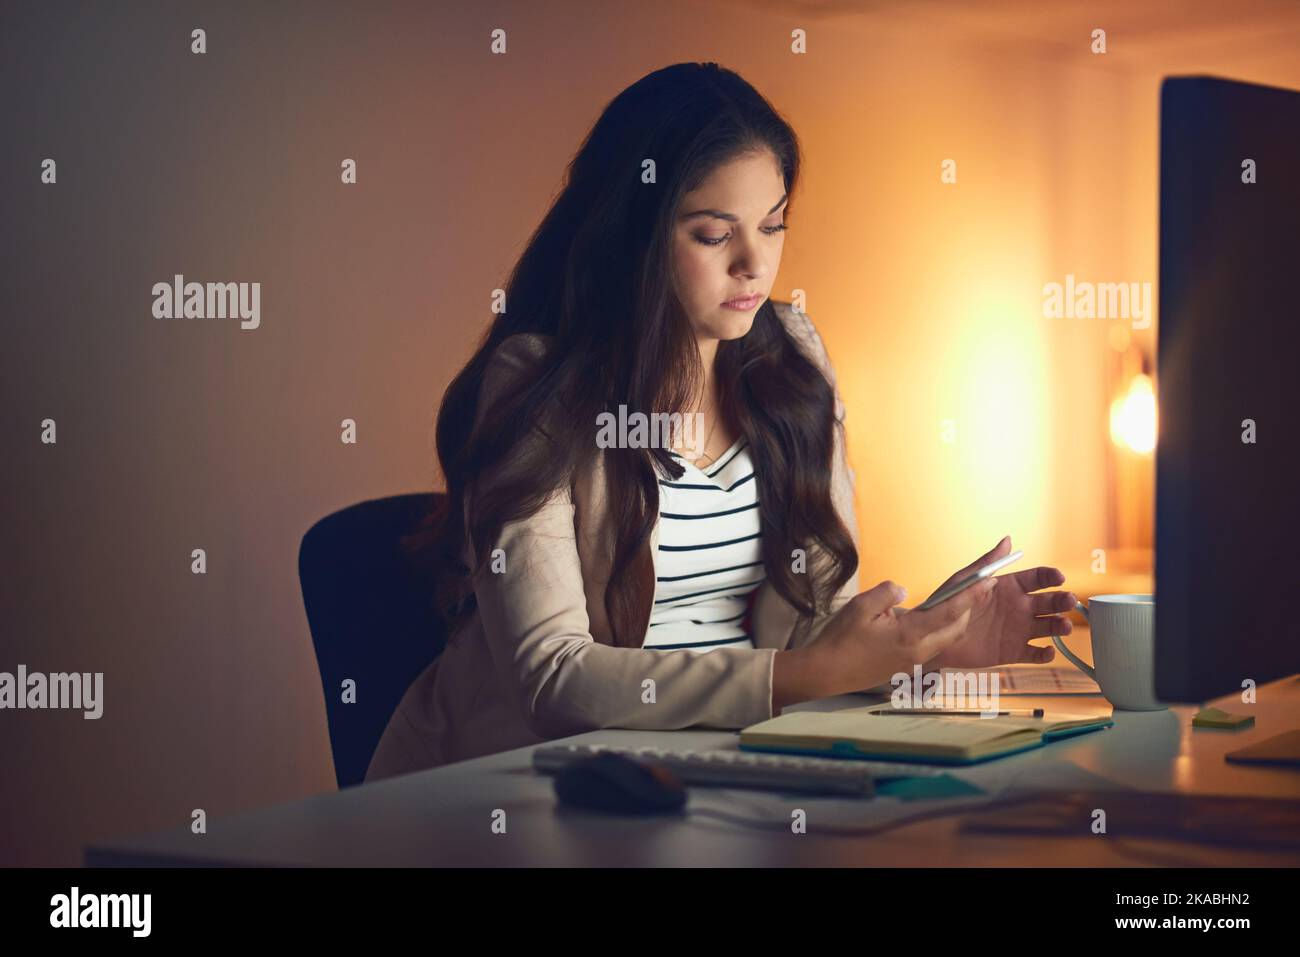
{"x": 1123, "y": 649}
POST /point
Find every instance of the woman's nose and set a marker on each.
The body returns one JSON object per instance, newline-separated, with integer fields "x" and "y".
{"x": 749, "y": 264}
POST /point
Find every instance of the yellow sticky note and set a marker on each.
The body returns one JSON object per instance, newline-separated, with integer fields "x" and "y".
{"x": 1214, "y": 718}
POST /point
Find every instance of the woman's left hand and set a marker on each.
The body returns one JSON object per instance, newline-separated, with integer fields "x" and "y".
{"x": 1000, "y": 629}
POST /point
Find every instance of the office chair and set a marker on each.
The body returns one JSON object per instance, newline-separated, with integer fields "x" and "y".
{"x": 371, "y": 617}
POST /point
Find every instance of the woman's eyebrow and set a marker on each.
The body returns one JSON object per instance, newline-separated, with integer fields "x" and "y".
{"x": 731, "y": 217}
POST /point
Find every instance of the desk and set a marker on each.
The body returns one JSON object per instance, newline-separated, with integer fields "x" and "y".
{"x": 442, "y": 817}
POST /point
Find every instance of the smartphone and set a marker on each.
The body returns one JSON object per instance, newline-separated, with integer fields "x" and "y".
{"x": 973, "y": 578}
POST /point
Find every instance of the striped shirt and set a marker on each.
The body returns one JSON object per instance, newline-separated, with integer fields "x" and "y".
{"x": 709, "y": 557}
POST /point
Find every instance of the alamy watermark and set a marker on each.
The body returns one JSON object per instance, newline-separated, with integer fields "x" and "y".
{"x": 1101, "y": 300}
{"x": 950, "y": 690}
{"x": 79, "y": 690}
{"x": 179, "y": 299}
{"x": 656, "y": 430}
{"x": 75, "y": 909}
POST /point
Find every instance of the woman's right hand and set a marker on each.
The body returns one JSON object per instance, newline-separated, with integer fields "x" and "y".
{"x": 869, "y": 640}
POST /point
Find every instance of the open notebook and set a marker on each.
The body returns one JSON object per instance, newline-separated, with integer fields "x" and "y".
{"x": 875, "y": 733}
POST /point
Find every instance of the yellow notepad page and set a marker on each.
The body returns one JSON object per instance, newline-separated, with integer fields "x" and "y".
{"x": 902, "y": 735}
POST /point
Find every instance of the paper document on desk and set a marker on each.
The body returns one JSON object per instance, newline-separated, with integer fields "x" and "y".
{"x": 1036, "y": 679}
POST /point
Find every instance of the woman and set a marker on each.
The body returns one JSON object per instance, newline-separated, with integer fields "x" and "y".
{"x": 590, "y": 584}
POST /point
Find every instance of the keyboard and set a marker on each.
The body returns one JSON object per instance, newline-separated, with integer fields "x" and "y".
{"x": 745, "y": 769}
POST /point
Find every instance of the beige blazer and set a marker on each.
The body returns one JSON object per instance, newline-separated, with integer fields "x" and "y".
{"x": 536, "y": 662}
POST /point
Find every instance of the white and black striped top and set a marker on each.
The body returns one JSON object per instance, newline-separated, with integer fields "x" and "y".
{"x": 709, "y": 557}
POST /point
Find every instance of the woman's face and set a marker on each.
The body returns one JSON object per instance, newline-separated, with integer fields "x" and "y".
{"x": 727, "y": 243}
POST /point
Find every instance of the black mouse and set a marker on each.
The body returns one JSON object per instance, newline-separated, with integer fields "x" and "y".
{"x": 614, "y": 782}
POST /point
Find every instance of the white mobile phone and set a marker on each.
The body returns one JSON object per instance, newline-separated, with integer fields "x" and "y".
{"x": 973, "y": 578}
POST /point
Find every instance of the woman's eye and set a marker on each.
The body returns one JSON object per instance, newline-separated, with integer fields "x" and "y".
{"x": 770, "y": 230}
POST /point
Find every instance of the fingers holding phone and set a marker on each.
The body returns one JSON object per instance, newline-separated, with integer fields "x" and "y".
{"x": 868, "y": 640}
{"x": 971, "y": 575}
{"x": 941, "y": 621}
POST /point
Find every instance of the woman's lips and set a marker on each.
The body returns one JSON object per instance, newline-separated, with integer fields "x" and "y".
{"x": 744, "y": 305}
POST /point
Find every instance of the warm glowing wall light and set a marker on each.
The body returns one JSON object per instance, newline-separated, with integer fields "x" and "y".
{"x": 1133, "y": 416}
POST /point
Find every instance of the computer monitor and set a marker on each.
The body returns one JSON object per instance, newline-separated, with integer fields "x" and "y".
{"x": 1227, "y": 558}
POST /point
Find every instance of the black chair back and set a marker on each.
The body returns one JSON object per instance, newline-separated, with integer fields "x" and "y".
{"x": 371, "y": 618}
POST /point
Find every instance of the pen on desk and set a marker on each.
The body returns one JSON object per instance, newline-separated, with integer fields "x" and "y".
{"x": 940, "y": 712}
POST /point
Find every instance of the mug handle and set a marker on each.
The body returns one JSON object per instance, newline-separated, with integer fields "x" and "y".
{"x": 1086, "y": 669}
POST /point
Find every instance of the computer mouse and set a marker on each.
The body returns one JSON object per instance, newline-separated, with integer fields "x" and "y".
{"x": 622, "y": 785}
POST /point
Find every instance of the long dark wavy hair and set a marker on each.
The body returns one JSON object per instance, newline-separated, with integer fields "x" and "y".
{"x": 596, "y": 279}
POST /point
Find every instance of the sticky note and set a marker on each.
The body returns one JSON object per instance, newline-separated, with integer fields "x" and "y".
{"x": 1214, "y": 718}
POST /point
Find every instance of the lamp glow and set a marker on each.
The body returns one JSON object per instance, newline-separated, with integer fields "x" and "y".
{"x": 1133, "y": 416}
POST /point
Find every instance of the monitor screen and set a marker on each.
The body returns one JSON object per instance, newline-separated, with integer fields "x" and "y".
{"x": 1227, "y": 559}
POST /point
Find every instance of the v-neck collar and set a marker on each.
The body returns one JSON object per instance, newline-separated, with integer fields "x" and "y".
{"x": 719, "y": 464}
